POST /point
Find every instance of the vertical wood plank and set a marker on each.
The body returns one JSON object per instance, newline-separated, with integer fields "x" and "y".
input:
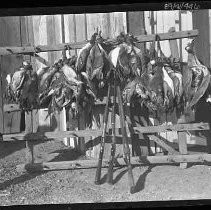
{"x": 1, "y": 100}
{"x": 182, "y": 140}
{"x": 186, "y": 24}
{"x": 10, "y": 36}
{"x": 70, "y": 31}
{"x": 202, "y": 21}
{"x": 135, "y": 25}
{"x": 80, "y": 36}
{"x": 171, "y": 117}
{"x": 147, "y": 25}
{"x": 201, "y": 44}
{"x": 39, "y": 35}
{"x": 29, "y": 144}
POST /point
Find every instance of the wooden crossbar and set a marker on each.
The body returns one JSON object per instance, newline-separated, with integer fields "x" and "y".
{"x": 16, "y": 107}
{"x": 143, "y": 160}
{"x": 78, "y": 45}
{"x": 85, "y": 133}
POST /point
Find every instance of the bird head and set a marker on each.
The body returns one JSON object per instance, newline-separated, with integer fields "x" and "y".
{"x": 93, "y": 38}
{"x": 190, "y": 46}
{"x": 27, "y": 65}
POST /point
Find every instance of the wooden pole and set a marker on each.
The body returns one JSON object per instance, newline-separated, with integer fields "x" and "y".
{"x": 29, "y": 144}
{"x": 182, "y": 140}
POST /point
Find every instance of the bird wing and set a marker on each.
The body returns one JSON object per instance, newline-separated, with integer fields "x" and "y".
{"x": 82, "y": 57}
{"x": 17, "y": 80}
{"x": 124, "y": 60}
{"x": 201, "y": 90}
{"x": 187, "y": 81}
{"x": 95, "y": 63}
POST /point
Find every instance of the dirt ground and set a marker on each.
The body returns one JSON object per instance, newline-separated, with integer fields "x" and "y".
{"x": 153, "y": 183}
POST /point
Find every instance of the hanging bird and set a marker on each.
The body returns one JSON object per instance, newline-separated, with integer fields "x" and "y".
{"x": 22, "y": 87}
{"x": 45, "y": 79}
{"x": 97, "y": 68}
{"x": 29, "y": 92}
{"x": 14, "y": 85}
{"x": 200, "y": 78}
{"x": 83, "y": 54}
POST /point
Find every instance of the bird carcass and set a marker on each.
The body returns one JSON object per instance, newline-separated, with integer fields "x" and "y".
{"x": 125, "y": 59}
{"x": 196, "y": 78}
{"x": 97, "y": 67}
{"x": 22, "y": 87}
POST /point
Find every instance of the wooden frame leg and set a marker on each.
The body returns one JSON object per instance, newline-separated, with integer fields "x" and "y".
{"x": 182, "y": 140}
{"x": 102, "y": 143}
{"x": 29, "y": 144}
{"x": 126, "y": 148}
{"x": 109, "y": 179}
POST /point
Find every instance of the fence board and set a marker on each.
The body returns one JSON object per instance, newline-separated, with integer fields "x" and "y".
{"x": 186, "y": 24}
{"x": 37, "y": 36}
{"x": 10, "y": 36}
{"x": 1, "y": 100}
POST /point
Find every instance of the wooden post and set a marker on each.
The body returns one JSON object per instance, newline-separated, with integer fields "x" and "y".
{"x": 29, "y": 144}
{"x": 1, "y": 101}
{"x": 203, "y": 52}
{"x": 182, "y": 135}
{"x": 135, "y": 25}
{"x": 182, "y": 140}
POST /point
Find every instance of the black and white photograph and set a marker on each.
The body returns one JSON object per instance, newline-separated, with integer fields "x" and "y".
{"x": 108, "y": 104}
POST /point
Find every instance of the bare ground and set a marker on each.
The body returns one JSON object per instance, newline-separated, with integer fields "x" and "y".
{"x": 153, "y": 183}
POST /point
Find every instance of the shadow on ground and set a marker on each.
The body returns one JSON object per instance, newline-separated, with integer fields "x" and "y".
{"x": 20, "y": 179}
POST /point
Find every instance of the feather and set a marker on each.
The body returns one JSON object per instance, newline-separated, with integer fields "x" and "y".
{"x": 70, "y": 74}
{"x": 46, "y": 78}
{"x": 186, "y": 81}
{"x": 113, "y": 56}
{"x": 179, "y": 76}
{"x": 168, "y": 80}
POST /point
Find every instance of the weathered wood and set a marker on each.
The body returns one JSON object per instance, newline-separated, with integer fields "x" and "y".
{"x": 10, "y": 34}
{"x": 29, "y": 143}
{"x": 163, "y": 144}
{"x": 173, "y": 45}
{"x": 168, "y": 36}
{"x": 16, "y": 107}
{"x": 135, "y": 25}
{"x": 92, "y": 163}
{"x": 1, "y": 101}
{"x": 176, "y": 127}
{"x": 182, "y": 140}
{"x": 41, "y": 59}
{"x": 50, "y": 135}
{"x": 98, "y": 132}
{"x": 95, "y": 140}
{"x": 40, "y": 48}
{"x": 58, "y": 47}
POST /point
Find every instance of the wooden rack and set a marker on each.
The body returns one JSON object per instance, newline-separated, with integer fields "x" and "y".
{"x": 173, "y": 156}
